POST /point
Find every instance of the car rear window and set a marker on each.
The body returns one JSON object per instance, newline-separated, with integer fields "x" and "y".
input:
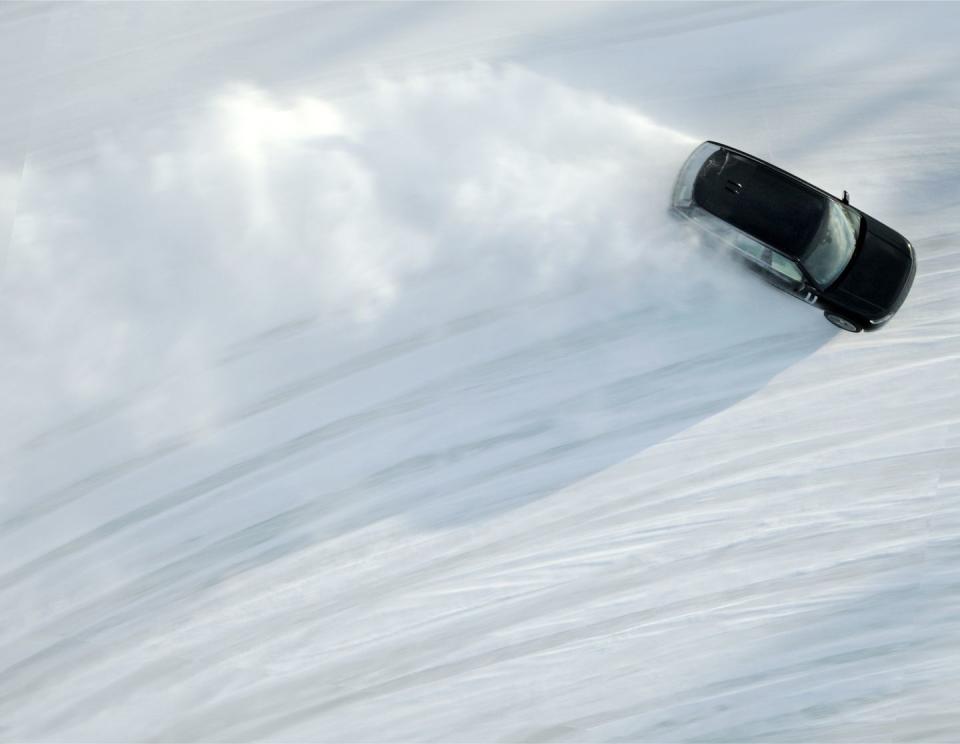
{"x": 760, "y": 201}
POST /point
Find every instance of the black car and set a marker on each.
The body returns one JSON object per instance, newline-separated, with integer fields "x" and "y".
{"x": 801, "y": 239}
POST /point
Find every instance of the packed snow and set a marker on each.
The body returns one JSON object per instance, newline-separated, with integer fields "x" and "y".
{"x": 358, "y": 385}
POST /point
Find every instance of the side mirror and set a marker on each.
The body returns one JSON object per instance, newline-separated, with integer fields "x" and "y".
{"x": 846, "y": 196}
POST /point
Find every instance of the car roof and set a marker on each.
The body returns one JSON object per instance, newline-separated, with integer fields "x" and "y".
{"x": 761, "y": 200}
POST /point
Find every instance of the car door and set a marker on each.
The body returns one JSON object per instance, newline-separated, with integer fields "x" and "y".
{"x": 785, "y": 274}
{"x": 779, "y": 270}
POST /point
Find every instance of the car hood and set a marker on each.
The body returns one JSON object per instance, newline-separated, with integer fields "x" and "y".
{"x": 876, "y": 282}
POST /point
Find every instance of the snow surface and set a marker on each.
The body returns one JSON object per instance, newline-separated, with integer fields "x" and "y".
{"x": 357, "y": 386}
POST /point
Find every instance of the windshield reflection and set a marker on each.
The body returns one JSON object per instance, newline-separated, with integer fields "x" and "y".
{"x": 833, "y": 245}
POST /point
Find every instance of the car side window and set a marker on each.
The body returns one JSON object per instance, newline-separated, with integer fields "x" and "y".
{"x": 733, "y": 237}
{"x": 750, "y": 248}
{"x": 786, "y": 268}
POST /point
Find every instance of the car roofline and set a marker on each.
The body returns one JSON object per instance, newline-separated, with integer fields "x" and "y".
{"x": 781, "y": 171}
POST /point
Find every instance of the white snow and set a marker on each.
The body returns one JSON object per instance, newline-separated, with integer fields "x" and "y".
{"x": 356, "y": 384}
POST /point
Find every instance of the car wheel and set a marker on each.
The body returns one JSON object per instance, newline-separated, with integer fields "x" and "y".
{"x": 840, "y": 322}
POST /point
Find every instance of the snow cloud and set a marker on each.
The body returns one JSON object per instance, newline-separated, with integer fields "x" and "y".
{"x": 166, "y": 244}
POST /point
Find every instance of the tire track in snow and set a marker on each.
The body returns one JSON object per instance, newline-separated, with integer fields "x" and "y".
{"x": 308, "y": 707}
{"x": 275, "y": 398}
{"x": 640, "y": 383}
{"x": 580, "y": 340}
{"x": 392, "y": 584}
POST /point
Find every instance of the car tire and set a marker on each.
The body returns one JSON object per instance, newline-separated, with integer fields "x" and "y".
{"x": 844, "y": 324}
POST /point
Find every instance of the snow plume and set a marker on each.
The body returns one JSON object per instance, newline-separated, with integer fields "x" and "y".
{"x": 168, "y": 243}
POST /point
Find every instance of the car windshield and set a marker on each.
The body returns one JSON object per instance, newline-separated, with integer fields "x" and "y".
{"x": 832, "y": 246}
